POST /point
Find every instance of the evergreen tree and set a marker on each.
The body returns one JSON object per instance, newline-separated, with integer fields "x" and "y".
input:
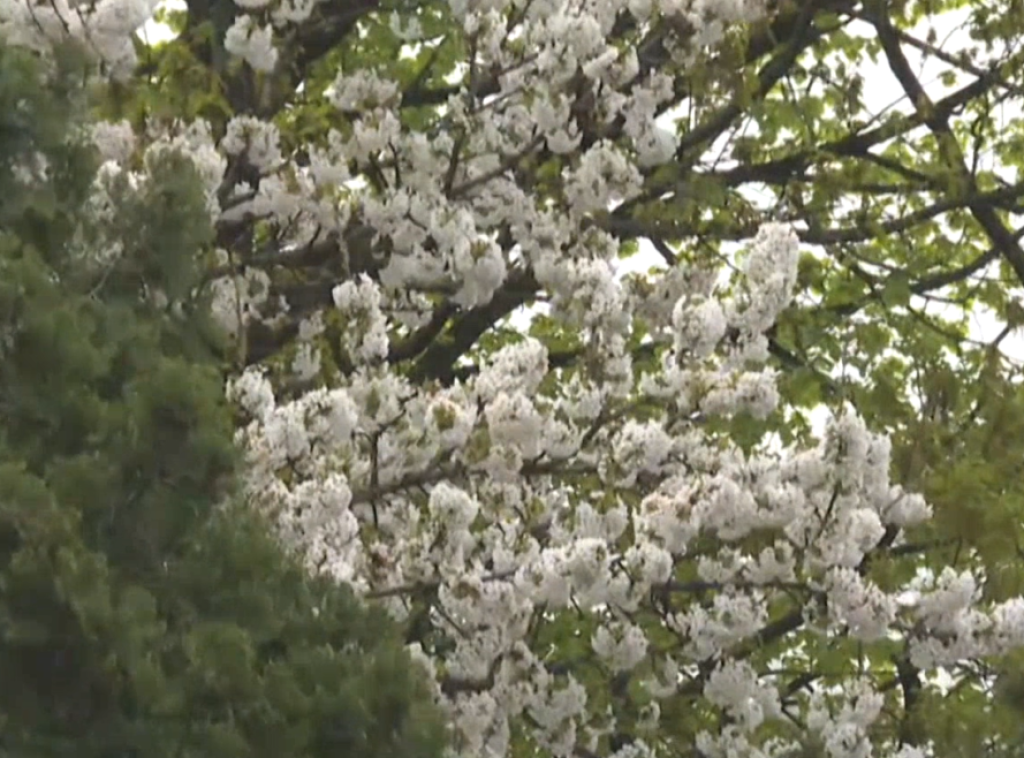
{"x": 141, "y": 614}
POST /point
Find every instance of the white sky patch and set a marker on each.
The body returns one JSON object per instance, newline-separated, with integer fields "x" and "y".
{"x": 153, "y": 32}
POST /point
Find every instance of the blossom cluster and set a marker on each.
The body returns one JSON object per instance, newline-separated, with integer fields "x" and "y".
{"x": 507, "y": 509}
{"x": 106, "y": 26}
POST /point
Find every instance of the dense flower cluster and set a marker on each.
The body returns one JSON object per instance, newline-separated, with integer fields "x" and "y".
{"x": 473, "y": 494}
{"x": 105, "y": 25}
{"x": 492, "y": 511}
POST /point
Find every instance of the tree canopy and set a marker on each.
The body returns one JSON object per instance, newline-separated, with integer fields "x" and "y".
{"x": 529, "y": 303}
{"x": 142, "y": 612}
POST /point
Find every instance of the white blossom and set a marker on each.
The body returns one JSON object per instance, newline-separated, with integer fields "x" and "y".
{"x": 116, "y": 141}
{"x": 252, "y": 43}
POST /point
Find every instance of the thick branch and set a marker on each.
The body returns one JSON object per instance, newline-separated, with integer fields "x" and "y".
{"x": 949, "y": 146}
{"x": 438, "y": 362}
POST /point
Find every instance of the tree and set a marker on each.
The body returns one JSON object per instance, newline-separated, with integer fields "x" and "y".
{"x": 587, "y": 523}
{"x": 141, "y": 612}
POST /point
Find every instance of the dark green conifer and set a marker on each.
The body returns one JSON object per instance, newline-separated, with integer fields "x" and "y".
{"x": 142, "y": 615}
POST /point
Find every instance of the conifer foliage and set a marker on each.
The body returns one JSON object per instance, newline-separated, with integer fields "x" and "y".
{"x": 141, "y": 614}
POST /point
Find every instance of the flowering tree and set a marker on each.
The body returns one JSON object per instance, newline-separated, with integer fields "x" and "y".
{"x": 576, "y": 510}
